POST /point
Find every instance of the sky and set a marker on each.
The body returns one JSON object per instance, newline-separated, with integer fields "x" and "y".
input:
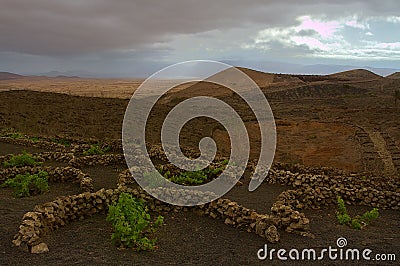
{"x": 135, "y": 38}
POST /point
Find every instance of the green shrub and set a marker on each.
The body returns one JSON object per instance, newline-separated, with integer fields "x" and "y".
{"x": 28, "y": 184}
{"x": 64, "y": 142}
{"x": 343, "y": 218}
{"x": 196, "y": 177}
{"x": 96, "y": 149}
{"x": 341, "y": 206}
{"x": 34, "y": 139}
{"x": 216, "y": 171}
{"x": 357, "y": 222}
{"x": 370, "y": 216}
{"x": 16, "y": 135}
{"x": 131, "y": 223}
{"x": 24, "y": 159}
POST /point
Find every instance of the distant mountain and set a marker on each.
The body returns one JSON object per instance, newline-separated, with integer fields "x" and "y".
{"x": 263, "y": 66}
{"x": 331, "y": 69}
{"x": 261, "y": 78}
{"x": 64, "y": 74}
{"x": 395, "y": 75}
{"x": 260, "y": 66}
{"x": 264, "y": 79}
{"x": 356, "y": 74}
{"x": 317, "y": 69}
{"x": 8, "y": 75}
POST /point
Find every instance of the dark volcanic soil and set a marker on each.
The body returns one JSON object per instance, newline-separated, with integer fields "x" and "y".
{"x": 186, "y": 237}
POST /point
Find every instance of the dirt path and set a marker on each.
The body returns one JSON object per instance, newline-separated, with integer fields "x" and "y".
{"x": 384, "y": 154}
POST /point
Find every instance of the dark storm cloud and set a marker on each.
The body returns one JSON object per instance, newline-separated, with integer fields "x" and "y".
{"x": 57, "y": 28}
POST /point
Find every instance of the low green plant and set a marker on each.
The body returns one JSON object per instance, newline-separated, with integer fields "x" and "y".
{"x": 24, "y": 159}
{"x": 132, "y": 223}
{"x": 343, "y": 218}
{"x": 369, "y": 216}
{"x": 34, "y": 139}
{"x": 196, "y": 177}
{"x": 16, "y": 135}
{"x": 28, "y": 184}
{"x": 216, "y": 171}
{"x": 64, "y": 142}
{"x": 357, "y": 222}
{"x": 96, "y": 149}
{"x": 190, "y": 177}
